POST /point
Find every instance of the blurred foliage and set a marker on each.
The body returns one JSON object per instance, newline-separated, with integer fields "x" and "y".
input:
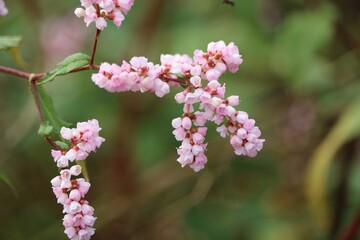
{"x": 12, "y": 44}
{"x": 299, "y": 80}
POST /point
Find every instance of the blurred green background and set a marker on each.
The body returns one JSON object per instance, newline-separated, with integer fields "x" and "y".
{"x": 299, "y": 80}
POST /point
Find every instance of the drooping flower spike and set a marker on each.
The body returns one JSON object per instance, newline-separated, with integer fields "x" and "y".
{"x": 70, "y": 191}
{"x": 200, "y": 77}
{"x": 78, "y": 219}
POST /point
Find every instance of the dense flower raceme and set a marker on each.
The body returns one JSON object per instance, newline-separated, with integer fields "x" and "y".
{"x": 78, "y": 219}
{"x": 3, "y": 9}
{"x": 84, "y": 139}
{"x": 199, "y": 76}
{"x": 69, "y": 191}
{"x": 99, "y": 10}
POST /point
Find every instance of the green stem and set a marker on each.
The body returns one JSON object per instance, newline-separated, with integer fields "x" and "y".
{"x": 84, "y": 171}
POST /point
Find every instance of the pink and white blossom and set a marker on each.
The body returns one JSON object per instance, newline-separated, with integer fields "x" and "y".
{"x": 3, "y": 10}
{"x": 203, "y": 98}
{"x": 84, "y": 139}
{"x": 99, "y": 11}
{"x": 78, "y": 219}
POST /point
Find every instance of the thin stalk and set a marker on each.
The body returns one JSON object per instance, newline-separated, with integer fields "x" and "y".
{"x": 94, "y": 47}
{"x": 35, "y": 92}
{"x": 84, "y": 171}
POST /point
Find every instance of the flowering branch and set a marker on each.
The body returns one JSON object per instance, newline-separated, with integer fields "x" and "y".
{"x": 198, "y": 75}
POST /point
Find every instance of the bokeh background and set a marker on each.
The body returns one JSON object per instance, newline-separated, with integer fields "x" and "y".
{"x": 299, "y": 80}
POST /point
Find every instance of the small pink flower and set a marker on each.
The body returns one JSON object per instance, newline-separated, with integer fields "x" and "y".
{"x": 83, "y": 186}
{"x": 161, "y": 88}
{"x": 179, "y": 134}
{"x": 100, "y": 23}
{"x": 3, "y": 10}
{"x": 233, "y": 100}
{"x": 75, "y": 195}
{"x": 196, "y": 81}
{"x": 186, "y": 123}
{"x": 199, "y": 162}
{"x": 75, "y": 170}
{"x": 176, "y": 123}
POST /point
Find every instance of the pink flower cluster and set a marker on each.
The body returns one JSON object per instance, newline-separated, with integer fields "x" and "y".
{"x": 192, "y": 149}
{"x": 84, "y": 139}
{"x": 199, "y": 76}
{"x": 3, "y": 9}
{"x": 78, "y": 220}
{"x": 115, "y": 10}
{"x": 216, "y": 108}
{"x": 138, "y": 75}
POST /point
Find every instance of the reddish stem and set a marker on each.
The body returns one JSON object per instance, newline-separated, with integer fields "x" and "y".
{"x": 169, "y": 79}
{"x": 98, "y": 31}
{"x": 37, "y": 76}
{"x": 33, "y": 78}
{"x": 351, "y": 231}
{"x": 95, "y": 45}
{"x": 38, "y": 106}
{"x": 37, "y": 100}
{"x": 19, "y": 73}
{"x": 52, "y": 143}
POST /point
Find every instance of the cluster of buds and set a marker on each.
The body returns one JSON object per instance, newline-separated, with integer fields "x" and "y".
{"x": 99, "y": 10}
{"x": 199, "y": 76}
{"x": 78, "y": 219}
{"x": 84, "y": 139}
{"x": 70, "y": 192}
{"x": 138, "y": 75}
{"x": 3, "y": 9}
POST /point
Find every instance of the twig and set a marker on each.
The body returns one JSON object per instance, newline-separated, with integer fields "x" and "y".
{"x": 36, "y": 96}
{"x": 38, "y": 107}
{"x": 98, "y": 31}
{"x": 36, "y": 77}
{"x": 169, "y": 79}
{"x": 19, "y": 73}
{"x": 95, "y": 45}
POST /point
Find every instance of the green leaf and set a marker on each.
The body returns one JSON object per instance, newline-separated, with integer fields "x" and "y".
{"x": 297, "y": 46}
{"x": 346, "y": 128}
{"x": 49, "y": 112}
{"x": 8, "y": 42}
{"x": 15, "y": 52}
{"x": 12, "y": 44}
{"x": 45, "y": 129}
{"x": 62, "y": 145}
{"x": 69, "y": 64}
{"x": 4, "y": 178}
